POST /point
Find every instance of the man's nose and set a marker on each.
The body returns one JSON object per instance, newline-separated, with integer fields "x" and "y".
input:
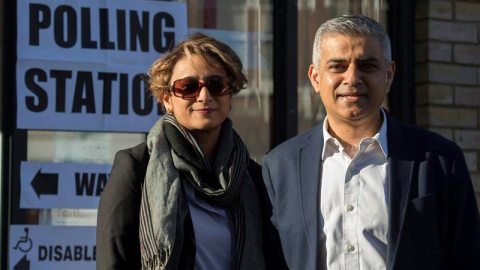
{"x": 353, "y": 75}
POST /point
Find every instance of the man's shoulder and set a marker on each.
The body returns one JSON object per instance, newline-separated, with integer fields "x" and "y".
{"x": 424, "y": 139}
{"x": 293, "y": 144}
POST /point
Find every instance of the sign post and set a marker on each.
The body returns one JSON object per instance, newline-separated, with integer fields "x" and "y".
{"x": 62, "y": 185}
{"x": 52, "y": 247}
{"x": 82, "y": 64}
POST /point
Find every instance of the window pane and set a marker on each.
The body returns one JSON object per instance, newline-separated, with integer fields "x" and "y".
{"x": 246, "y": 26}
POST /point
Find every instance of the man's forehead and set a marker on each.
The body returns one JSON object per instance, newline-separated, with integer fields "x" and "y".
{"x": 337, "y": 38}
{"x": 368, "y": 46}
{"x": 359, "y": 58}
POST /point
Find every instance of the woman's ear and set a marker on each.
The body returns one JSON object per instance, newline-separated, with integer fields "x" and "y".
{"x": 167, "y": 104}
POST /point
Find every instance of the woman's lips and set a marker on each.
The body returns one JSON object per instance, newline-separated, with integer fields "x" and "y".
{"x": 204, "y": 110}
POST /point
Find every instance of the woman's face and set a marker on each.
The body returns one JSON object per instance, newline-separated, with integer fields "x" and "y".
{"x": 203, "y": 113}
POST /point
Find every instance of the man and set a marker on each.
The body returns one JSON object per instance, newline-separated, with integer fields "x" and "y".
{"x": 361, "y": 190}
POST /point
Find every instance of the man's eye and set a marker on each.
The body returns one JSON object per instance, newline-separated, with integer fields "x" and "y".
{"x": 369, "y": 67}
{"x": 337, "y": 67}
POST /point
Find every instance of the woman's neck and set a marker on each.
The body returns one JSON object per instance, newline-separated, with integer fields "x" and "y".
{"x": 208, "y": 142}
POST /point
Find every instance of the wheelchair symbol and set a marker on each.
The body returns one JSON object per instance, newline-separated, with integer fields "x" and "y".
{"x": 25, "y": 243}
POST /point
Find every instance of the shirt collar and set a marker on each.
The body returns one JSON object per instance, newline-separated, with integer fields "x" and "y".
{"x": 381, "y": 136}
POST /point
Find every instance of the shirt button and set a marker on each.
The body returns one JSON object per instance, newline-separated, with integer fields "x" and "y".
{"x": 350, "y": 248}
{"x": 350, "y": 208}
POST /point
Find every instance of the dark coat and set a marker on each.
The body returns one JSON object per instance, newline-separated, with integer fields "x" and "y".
{"x": 118, "y": 244}
{"x": 433, "y": 218}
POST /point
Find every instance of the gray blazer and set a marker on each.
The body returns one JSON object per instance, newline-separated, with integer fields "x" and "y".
{"x": 433, "y": 216}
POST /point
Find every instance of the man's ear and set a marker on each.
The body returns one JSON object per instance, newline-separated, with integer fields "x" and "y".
{"x": 390, "y": 74}
{"x": 314, "y": 77}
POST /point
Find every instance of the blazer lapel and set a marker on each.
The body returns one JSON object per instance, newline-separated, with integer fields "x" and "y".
{"x": 401, "y": 156}
{"x": 309, "y": 182}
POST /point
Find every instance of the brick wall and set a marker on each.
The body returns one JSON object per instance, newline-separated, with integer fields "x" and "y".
{"x": 447, "y": 74}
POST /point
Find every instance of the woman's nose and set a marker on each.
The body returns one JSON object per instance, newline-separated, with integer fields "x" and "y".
{"x": 204, "y": 94}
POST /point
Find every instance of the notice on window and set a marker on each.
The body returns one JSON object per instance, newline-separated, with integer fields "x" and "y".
{"x": 82, "y": 64}
{"x": 62, "y": 185}
{"x": 52, "y": 247}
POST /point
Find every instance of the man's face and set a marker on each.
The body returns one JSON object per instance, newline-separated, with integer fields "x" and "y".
{"x": 352, "y": 78}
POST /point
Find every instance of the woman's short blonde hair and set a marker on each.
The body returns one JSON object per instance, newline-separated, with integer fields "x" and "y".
{"x": 215, "y": 53}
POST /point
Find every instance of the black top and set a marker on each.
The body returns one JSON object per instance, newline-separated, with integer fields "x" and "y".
{"x": 118, "y": 245}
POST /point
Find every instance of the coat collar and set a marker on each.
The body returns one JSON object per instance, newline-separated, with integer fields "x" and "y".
{"x": 401, "y": 156}
{"x": 309, "y": 185}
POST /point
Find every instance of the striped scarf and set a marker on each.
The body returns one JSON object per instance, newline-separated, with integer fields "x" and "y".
{"x": 176, "y": 156}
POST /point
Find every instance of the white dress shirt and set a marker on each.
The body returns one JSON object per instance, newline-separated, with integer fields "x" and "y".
{"x": 354, "y": 203}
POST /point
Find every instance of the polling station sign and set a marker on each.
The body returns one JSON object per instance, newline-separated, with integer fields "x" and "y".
{"x": 81, "y": 65}
{"x": 52, "y": 247}
{"x": 46, "y": 185}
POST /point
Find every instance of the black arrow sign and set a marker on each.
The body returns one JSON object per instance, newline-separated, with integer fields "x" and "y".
{"x": 45, "y": 183}
{"x": 23, "y": 264}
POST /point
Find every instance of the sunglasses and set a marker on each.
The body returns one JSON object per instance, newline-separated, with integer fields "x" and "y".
{"x": 190, "y": 88}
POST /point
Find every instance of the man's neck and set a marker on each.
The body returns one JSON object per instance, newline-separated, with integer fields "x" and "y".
{"x": 351, "y": 132}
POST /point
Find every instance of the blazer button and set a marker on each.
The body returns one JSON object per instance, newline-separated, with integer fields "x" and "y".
{"x": 350, "y": 248}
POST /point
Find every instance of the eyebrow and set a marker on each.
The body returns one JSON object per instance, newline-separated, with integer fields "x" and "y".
{"x": 368, "y": 59}
{"x": 336, "y": 60}
{"x": 361, "y": 60}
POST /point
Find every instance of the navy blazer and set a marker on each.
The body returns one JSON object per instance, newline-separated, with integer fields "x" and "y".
{"x": 433, "y": 220}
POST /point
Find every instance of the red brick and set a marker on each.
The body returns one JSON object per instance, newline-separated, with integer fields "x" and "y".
{"x": 472, "y": 161}
{"x": 421, "y": 30}
{"x": 434, "y": 94}
{"x": 450, "y": 117}
{"x": 468, "y": 139}
{"x": 469, "y": 96}
{"x": 452, "y": 31}
{"x": 476, "y": 182}
{"x": 434, "y": 9}
{"x": 445, "y": 132}
{"x": 421, "y": 117}
{"x": 477, "y": 195}
{"x": 467, "y": 11}
{"x": 455, "y": 74}
{"x": 421, "y": 73}
{"x": 467, "y": 54}
{"x": 434, "y": 51}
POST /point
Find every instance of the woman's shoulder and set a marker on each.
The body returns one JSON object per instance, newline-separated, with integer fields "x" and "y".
{"x": 129, "y": 168}
{"x": 136, "y": 154}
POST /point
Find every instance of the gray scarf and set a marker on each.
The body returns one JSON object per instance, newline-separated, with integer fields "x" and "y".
{"x": 174, "y": 157}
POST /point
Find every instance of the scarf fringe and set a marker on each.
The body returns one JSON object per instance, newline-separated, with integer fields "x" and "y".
{"x": 158, "y": 261}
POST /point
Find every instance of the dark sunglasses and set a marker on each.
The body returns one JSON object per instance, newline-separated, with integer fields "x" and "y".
{"x": 190, "y": 88}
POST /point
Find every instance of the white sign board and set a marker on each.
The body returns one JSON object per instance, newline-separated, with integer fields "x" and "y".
{"x": 62, "y": 185}
{"x": 82, "y": 64}
{"x": 52, "y": 247}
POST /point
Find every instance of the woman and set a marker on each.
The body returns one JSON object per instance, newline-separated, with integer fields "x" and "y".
{"x": 187, "y": 197}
